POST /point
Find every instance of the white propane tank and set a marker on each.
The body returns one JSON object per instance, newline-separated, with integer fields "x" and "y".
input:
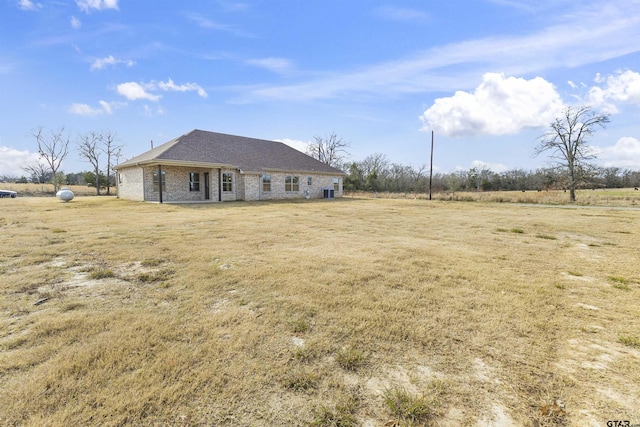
{"x": 65, "y": 195}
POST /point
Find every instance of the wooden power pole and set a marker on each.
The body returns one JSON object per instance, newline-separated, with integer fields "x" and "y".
{"x": 431, "y": 167}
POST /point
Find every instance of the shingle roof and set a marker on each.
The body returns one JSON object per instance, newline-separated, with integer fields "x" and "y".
{"x": 247, "y": 154}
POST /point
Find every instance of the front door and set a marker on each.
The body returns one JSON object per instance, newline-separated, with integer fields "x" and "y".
{"x": 206, "y": 186}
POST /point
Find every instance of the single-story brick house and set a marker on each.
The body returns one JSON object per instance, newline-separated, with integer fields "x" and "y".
{"x": 210, "y": 166}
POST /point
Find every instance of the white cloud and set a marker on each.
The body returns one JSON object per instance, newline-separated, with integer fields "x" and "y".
{"x": 87, "y": 5}
{"x": 106, "y": 107}
{"x": 625, "y": 153}
{"x": 12, "y": 161}
{"x": 150, "y": 112}
{"x": 187, "y": 87}
{"x": 209, "y": 24}
{"x": 87, "y": 110}
{"x": 494, "y": 167}
{"x": 84, "y": 110}
{"x": 133, "y": 91}
{"x": 75, "y": 22}
{"x": 499, "y": 106}
{"x": 294, "y": 143}
{"x": 624, "y": 87}
{"x": 102, "y": 63}
{"x": 277, "y": 65}
{"x": 29, "y": 5}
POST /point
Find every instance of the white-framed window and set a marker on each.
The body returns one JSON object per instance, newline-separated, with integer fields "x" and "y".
{"x": 336, "y": 184}
{"x": 227, "y": 182}
{"x": 266, "y": 182}
{"x": 309, "y": 181}
{"x": 291, "y": 183}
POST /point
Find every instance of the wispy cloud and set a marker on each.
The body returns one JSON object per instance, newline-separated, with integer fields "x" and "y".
{"x": 101, "y": 63}
{"x": 29, "y": 5}
{"x": 402, "y": 14}
{"x": 170, "y": 86}
{"x": 89, "y": 5}
{"x": 210, "y": 24}
{"x": 87, "y": 110}
{"x": 75, "y": 22}
{"x": 134, "y": 91}
{"x": 276, "y": 65}
{"x": 233, "y": 6}
{"x": 582, "y": 39}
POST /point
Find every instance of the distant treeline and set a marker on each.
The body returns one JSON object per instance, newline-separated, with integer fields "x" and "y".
{"x": 376, "y": 173}
{"x": 46, "y": 177}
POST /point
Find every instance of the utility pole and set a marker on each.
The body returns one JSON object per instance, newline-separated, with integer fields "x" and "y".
{"x": 431, "y": 167}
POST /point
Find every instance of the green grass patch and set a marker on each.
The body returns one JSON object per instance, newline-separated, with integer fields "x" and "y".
{"x": 154, "y": 262}
{"x": 351, "y": 358}
{"x": 409, "y": 407}
{"x": 300, "y": 379}
{"x": 342, "y": 415}
{"x": 155, "y": 276}
{"x": 517, "y": 230}
{"x": 546, "y": 237}
{"x": 97, "y": 273}
{"x": 630, "y": 340}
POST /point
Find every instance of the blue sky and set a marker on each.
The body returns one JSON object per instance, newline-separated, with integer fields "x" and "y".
{"x": 487, "y": 76}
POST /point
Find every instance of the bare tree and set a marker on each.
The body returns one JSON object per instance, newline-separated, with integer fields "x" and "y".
{"x": 39, "y": 171}
{"x": 110, "y": 149}
{"x": 89, "y": 146}
{"x": 331, "y": 150}
{"x": 53, "y": 148}
{"x": 567, "y": 139}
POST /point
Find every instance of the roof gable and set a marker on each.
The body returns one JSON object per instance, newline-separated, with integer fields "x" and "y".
{"x": 248, "y": 154}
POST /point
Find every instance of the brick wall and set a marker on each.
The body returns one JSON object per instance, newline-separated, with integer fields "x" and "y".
{"x": 177, "y": 185}
{"x": 318, "y": 183}
{"x": 136, "y": 183}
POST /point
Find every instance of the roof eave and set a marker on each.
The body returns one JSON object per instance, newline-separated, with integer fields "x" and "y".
{"x": 304, "y": 171}
{"x": 179, "y": 163}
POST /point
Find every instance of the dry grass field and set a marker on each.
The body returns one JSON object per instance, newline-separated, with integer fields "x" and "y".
{"x": 610, "y": 197}
{"x": 31, "y": 190}
{"x": 353, "y": 312}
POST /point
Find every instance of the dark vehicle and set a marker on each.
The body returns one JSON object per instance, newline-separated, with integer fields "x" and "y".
{"x": 7, "y": 194}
